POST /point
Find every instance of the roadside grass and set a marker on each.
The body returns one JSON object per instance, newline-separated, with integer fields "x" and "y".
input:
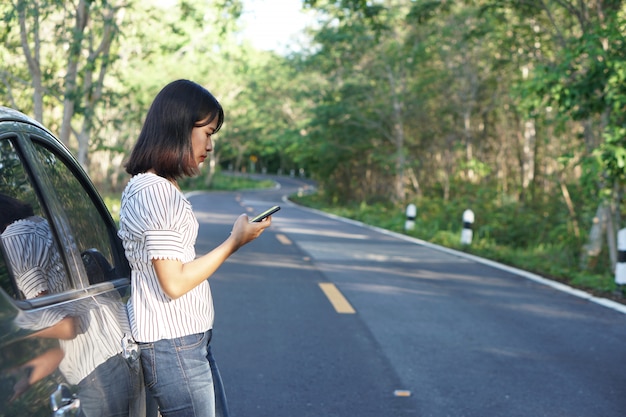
{"x": 551, "y": 261}
{"x": 112, "y": 201}
{"x": 224, "y": 182}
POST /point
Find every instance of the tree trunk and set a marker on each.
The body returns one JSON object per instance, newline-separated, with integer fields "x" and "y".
{"x": 528, "y": 148}
{"x": 592, "y": 249}
{"x": 396, "y": 90}
{"x": 210, "y": 171}
{"x": 611, "y": 237}
{"x": 71, "y": 73}
{"x": 570, "y": 207}
{"x": 32, "y": 56}
{"x": 467, "y": 135}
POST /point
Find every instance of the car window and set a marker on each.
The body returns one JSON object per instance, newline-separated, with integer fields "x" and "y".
{"x": 30, "y": 249}
{"x": 54, "y": 238}
{"x": 86, "y": 225}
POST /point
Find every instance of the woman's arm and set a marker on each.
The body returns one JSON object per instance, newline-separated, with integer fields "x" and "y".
{"x": 37, "y": 369}
{"x": 65, "y": 329}
{"x": 178, "y": 278}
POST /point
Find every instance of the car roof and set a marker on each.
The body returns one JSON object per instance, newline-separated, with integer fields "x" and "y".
{"x": 11, "y": 115}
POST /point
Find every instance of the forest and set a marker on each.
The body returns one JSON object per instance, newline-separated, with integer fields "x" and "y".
{"x": 513, "y": 109}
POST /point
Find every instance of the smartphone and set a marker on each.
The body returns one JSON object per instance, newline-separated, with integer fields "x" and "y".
{"x": 265, "y": 214}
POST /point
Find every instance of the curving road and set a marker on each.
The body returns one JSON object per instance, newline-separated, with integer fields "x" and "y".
{"x": 322, "y": 317}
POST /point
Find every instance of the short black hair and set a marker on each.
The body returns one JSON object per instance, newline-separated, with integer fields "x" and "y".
{"x": 164, "y": 143}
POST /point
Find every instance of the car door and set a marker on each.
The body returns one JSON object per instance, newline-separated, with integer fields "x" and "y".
{"x": 64, "y": 280}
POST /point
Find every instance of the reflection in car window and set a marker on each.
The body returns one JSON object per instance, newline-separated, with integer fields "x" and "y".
{"x": 32, "y": 253}
{"x": 27, "y": 241}
{"x": 86, "y": 224}
{"x": 5, "y": 280}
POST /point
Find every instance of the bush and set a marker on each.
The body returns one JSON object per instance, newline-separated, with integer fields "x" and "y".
{"x": 537, "y": 239}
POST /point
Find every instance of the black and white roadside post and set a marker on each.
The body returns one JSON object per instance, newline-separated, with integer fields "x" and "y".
{"x": 468, "y": 222}
{"x": 411, "y": 212}
{"x": 620, "y": 267}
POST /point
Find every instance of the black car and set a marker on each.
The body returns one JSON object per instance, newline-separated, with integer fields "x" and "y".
{"x": 64, "y": 338}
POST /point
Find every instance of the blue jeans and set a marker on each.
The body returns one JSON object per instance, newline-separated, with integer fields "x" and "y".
{"x": 111, "y": 389}
{"x": 181, "y": 375}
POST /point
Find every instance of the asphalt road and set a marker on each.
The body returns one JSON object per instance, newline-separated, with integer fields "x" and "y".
{"x": 432, "y": 333}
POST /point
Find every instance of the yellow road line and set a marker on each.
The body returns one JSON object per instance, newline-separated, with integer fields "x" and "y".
{"x": 283, "y": 239}
{"x": 336, "y": 298}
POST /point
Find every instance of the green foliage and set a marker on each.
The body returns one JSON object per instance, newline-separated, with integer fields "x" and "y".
{"x": 509, "y": 234}
{"x": 350, "y": 10}
{"x": 516, "y": 110}
{"x": 224, "y": 182}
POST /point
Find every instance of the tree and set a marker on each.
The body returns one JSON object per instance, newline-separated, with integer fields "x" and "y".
{"x": 368, "y": 64}
{"x": 583, "y": 80}
{"x": 86, "y": 44}
{"x": 71, "y": 51}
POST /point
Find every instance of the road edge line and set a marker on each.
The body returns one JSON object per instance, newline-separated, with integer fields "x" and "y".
{"x": 604, "y": 302}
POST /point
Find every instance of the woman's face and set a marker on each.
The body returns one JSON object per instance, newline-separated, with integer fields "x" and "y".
{"x": 201, "y": 140}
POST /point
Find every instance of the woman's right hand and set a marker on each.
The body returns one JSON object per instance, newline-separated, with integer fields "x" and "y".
{"x": 244, "y": 232}
{"x": 177, "y": 278}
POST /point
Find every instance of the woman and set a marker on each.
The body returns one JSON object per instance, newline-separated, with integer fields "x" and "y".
{"x": 171, "y": 309}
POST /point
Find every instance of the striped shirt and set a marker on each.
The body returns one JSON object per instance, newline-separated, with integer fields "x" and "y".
{"x": 37, "y": 268}
{"x": 157, "y": 222}
{"x": 34, "y": 259}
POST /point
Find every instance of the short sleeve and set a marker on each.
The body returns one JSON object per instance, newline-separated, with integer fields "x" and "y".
{"x": 155, "y": 218}
{"x": 28, "y": 247}
{"x": 164, "y": 244}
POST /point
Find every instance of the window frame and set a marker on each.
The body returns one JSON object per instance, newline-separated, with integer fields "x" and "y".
{"x": 25, "y": 139}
